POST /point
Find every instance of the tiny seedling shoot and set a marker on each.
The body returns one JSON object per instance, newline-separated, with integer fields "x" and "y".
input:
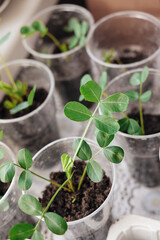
{"x": 109, "y": 56}
{"x": 74, "y": 26}
{"x": 105, "y": 126}
{"x": 16, "y": 91}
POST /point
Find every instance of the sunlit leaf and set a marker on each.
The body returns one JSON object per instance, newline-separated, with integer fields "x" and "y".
{"x": 25, "y": 158}
{"x": 114, "y": 154}
{"x": 91, "y": 91}
{"x": 40, "y": 27}
{"x": 104, "y": 139}
{"x": 135, "y": 79}
{"x": 55, "y": 223}
{"x": 106, "y": 124}
{"x": 103, "y": 80}
{"x": 7, "y": 171}
{"x": 37, "y": 236}
{"x": 4, "y": 38}
{"x": 21, "y": 231}
{"x": 25, "y": 180}
{"x": 133, "y": 95}
{"x": 144, "y": 74}
{"x": 146, "y": 96}
{"x": 31, "y": 96}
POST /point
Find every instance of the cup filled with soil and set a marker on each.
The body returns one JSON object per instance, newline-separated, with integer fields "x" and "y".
{"x": 123, "y": 41}
{"x": 34, "y": 126}
{"x": 9, "y": 193}
{"x": 141, "y": 149}
{"x": 86, "y": 211}
{"x": 71, "y": 64}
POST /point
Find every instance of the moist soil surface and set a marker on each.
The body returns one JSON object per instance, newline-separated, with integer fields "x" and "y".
{"x": 3, "y": 188}
{"x": 151, "y": 122}
{"x": 88, "y": 198}
{"x": 39, "y": 98}
{"x": 129, "y": 56}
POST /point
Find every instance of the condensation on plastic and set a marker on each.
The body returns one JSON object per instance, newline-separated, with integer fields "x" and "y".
{"x": 48, "y": 159}
{"x": 132, "y": 227}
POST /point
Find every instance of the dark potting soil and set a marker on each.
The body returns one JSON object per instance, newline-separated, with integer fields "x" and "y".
{"x": 39, "y": 98}
{"x": 88, "y": 198}
{"x": 3, "y": 188}
{"x": 151, "y": 122}
{"x": 128, "y": 56}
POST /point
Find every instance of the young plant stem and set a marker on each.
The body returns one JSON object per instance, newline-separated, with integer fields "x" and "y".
{"x": 55, "y": 40}
{"x": 85, "y": 131}
{"x": 35, "y": 174}
{"x": 50, "y": 202}
{"x": 85, "y": 170}
{"x": 140, "y": 110}
{"x": 8, "y": 72}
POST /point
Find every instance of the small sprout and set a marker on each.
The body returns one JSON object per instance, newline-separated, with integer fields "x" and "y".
{"x": 78, "y": 39}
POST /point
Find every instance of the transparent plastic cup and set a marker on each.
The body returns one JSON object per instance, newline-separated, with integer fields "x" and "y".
{"x": 37, "y": 128}
{"x": 141, "y": 152}
{"x": 133, "y": 35}
{"x": 8, "y": 202}
{"x": 70, "y": 66}
{"x": 48, "y": 159}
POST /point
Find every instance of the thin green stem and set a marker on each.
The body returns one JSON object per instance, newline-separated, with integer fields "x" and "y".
{"x": 85, "y": 131}
{"x": 85, "y": 170}
{"x": 35, "y": 174}
{"x": 140, "y": 110}
{"x": 124, "y": 115}
{"x": 50, "y": 202}
{"x": 55, "y": 40}
{"x": 8, "y": 72}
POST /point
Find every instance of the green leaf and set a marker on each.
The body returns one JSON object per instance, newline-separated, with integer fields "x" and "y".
{"x": 31, "y": 96}
{"x": 1, "y": 134}
{"x": 55, "y": 223}
{"x": 4, "y": 205}
{"x": 135, "y": 79}
{"x": 40, "y": 27}
{"x": 84, "y": 152}
{"x": 94, "y": 171}
{"x": 114, "y": 154}
{"x": 63, "y": 47}
{"x": 133, "y": 95}
{"x": 77, "y": 111}
{"x": 103, "y": 109}
{"x": 25, "y": 158}
{"x": 84, "y": 28}
{"x": 71, "y": 24}
{"x": 1, "y": 153}
{"x": 144, "y": 74}
{"x": 25, "y": 180}
{"x": 27, "y": 31}
{"x": 77, "y": 30}
{"x": 106, "y": 124}
{"x": 73, "y": 42}
{"x": 19, "y": 107}
{"x": 103, "y": 80}
{"x": 67, "y": 162}
{"x": 7, "y": 171}
{"x": 134, "y": 128}
{"x": 30, "y": 205}
{"x": 8, "y": 104}
{"x": 4, "y": 38}
{"x": 104, "y": 139}
{"x": 21, "y": 231}
{"x": 116, "y": 103}
{"x": 91, "y": 91}
{"x": 124, "y": 123}
{"x": 145, "y": 96}
{"x": 86, "y": 78}
{"x": 37, "y": 236}
{"x": 82, "y": 41}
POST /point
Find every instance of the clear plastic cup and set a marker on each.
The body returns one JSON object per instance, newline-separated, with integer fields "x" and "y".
{"x": 8, "y": 202}
{"x": 132, "y": 34}
{"x": 70, "y": 66}
{"x": 37, "y": 128}
{"x": 141, "y": 152}
{"x": 48, "y": 159}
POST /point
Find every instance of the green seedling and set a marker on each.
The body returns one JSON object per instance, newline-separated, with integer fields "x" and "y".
{"x": 105, "y": 126}
{"x": 16, "y": 91}
{"x": 78, "y": 39}
{"x": 127, "y": 124}
{"x": 110, "y": 57}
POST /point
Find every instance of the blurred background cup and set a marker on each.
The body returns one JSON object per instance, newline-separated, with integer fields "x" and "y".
{"x": 134, "y": 37}
{"x": 68, "y": 67}
{"x": 37, "y": 128}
